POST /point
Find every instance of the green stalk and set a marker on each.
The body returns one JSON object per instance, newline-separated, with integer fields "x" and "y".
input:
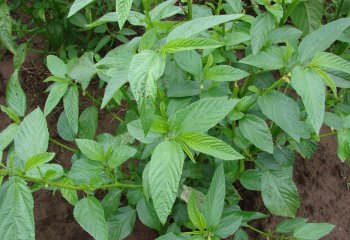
{"x": 62, "y": 145}
{"x": 327, "y": 134}
{"x": 189, "y": 10}
{"x": 269, "y": 236}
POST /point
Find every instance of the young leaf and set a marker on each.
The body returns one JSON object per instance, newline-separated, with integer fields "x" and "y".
{"x": 147, "y": 214}
{"x": 56, "y": 93}
{"x": 211, "y": 146}
{"x": 32, "y": 136}
{"x": 16, "y": 210}
{"x": 56, "y": 66}
{"x": 71, "y": 107}
{"x": 279, "y": 193}
{"x": 215, "y": 198}
{"x": 91, "y": 149}
{"x": 123, "y": 8}
{"x": 194, "y": 27}
{"x": 183, "y": 44}
{"x": 283, "y": 110}
{"x": 194, "y": 214}
{"x": 201, "y": 115}
{"x": 310, "y": 88}
{"x": 15, "y": 97}
{"x": 164, "y": 177}
{"x": 89, "y": 214}
{"x": 7, "y": 135}
{"x": 77, "y": 5}
{"x": 260, "y": 30}
{"x": 313, "y": 231}
{"x": 320, "y": 39}
{"x": 224, "y": 73}
{"x": 38, "y": 159}
{"x": 257, "y": 132}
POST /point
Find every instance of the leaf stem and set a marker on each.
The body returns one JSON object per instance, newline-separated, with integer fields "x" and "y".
{"x": 189, "y": 10}
{"x": 327, "y": 134}
{"x": 266, "y": 234}
{"x": 62, "y": 145}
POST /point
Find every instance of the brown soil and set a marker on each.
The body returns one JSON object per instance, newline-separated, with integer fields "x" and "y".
{"x": 322, "y": 182}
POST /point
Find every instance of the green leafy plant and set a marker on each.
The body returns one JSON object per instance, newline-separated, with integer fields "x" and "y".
{"x": 199, "y": 119}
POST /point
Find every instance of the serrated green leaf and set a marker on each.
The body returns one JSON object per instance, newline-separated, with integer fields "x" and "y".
{"x": 70, "y": 195}
{"x": 210, "y": 145}
{"x": 32, "y": 136}
{"x": 257, "y": 132}
{"x": 7, "y": 135}
{"x": 15, "y": 97}
{"x": 269, "y": 59}
{"x": 228, "y": 226}
{"x": 71, "y": 107}
{"x": 289, "y": 225}
{"x": 77, "y": 5}
{"x": 6, "y": 38}
{"x": 189, "y": 61}
{"x": 260, "y": 30}
{"x": 274, "y": 105}
{"x": 328, "y": 61}
{"x": 118, "y": 79}
{"x": 57, "y": 91}
{"x": 91, "y": 149}
{"x": 185, "y": 44}
{"x": 64, "y": 129}
{"x": 215, "y": 198}
{"x": 310, "y": 88}
{"x": 88, "y": 121}
{"x": 313, "y": 231}
{"x": 164, "y": 177}
{"x": 56, "y": 66}
{"x": 16, "y": 210}
{"x": 251, "y": 179}
{"x": 224, "y": 73}
{"x": 123, "y": 8}
{"x": 89, "y": 214}
{"x": 38, "y": 159}
{"x": 87, "y": 171}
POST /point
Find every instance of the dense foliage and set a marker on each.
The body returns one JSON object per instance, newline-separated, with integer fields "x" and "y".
{"x": 218, "y": 94}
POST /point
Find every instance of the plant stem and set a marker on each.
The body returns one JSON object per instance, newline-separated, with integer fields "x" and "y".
{"x": 327, "y": 134}
{"x": 189, "y": 10}
{"x": 62, "y": 145}
{"x": 339, "y": 8}
{"x": 266, "y": 234}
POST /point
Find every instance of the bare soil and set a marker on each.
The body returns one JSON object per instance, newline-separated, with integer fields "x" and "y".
{"x": 322, "y": 181}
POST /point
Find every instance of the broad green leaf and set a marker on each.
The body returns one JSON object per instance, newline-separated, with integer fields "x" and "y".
{"x": 64, "y": 129}
{"x": 289, "y": 225}
{"x": 16, "y": 210}
{"x": 109, "y": 17}
{"x": 118, "y": 79}
{"x": 269, "y": 59}
{"x": 56, "y": 66}
{"x": 111, "y": 201}
{"x": 15, "y": 97}
{"x": 164, "y": 10}
{"x": 224, "y": 73}
{"x": 328, "y": 61}
{"x": 344, "y": 144}
{"x": 32, "y": 136}
{"x": 189, "y": 61}
{"x": 148, "y": 40}
{"x": 194, "y": 214}
{"x": 332, "y": 120}
{"x": 164, "y": 177}
{"x": 48, "y": 171}
{"x": 313, "y": 231}
{"x": 215, "y": 198}
{"x": 228, "y": 226}
{"x": 320, "y": 39}
{"x": 91, "y": 149}
{"x": 183, "y": 44}
{"x": 279, "y": 193}
{"x": 87, "y": 171}
{"x": 89, "y": 214}
{"x": 70, "y": 195}
{"x": 135, "y": 130}
{"x": 123, "y": 8}
{"x": 57, "y": 91}
{"x": 201, "y": 115}
{"x": 7, "y": 135}
{"x": 77, "y": 5}
{"x": 71, "y": 107}
{"x": 121, "y": 223}
{"x": 307, "y": 15}
{"x": 88, "y": 121}
{"x": 257, "y": 132}
{"x": 194, "y": 27}
{"x": 38, "y": 159}
{"x": 241, "y": 235}
{"x": 274, "y": 105}
{"x": 260, "y": 30}
{"x": 309, "y": 86}
{"x": 210, "y": 145}
{"x": 285, "y": 34}
{"x": 6, "y": 28}
{"x": 235, "y": 38}
{"x": 120, "y": 153}
{"x": 251, "y": 179}
{"x": 147, "y": 214}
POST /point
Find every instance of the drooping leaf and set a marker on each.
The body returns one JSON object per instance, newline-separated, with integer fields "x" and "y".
{"x": 215, "y": 198}
{"x": 32, "y": 136}
{"x": 118, "y": 79}
{"x": 194, "y": 27}
{"x": 16, "y": 210}
{"x": 70, "y": 195}
{"x": 93, "y": 150}
{"x": 7, "y": 135}
{"x": 260, "y": 30}
{"x": 147, "y": 214}
{"x": 274, "y": 104}
{"x": 201, "y": 115}
{"x": 15, "y": 97}
{"x": 257, "y": 132}
{"x": 88, "y": 212}
{"x": 310, "y": 88}
{"x": 77, "y": 5}
{"x": 71, "y": 107}
{"x": 57, "y": 91}
{"x": 164, "y": 176}
{"x": 123, "y": 8}
{"x": 6, "y": 38}
{"x": 210, "y": 145}
{"x": 320, "y": 39}
{"x": 223, "y": 73}
{"x": 313, "y": 231}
